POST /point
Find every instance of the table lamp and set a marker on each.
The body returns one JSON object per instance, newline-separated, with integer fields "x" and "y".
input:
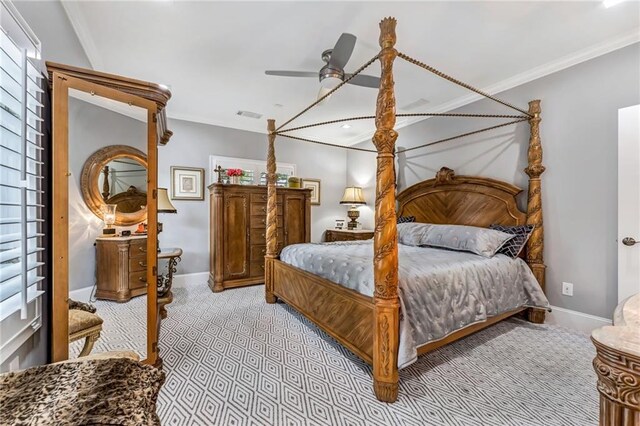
{"x": 109, "y": 218}
{"x": 353, "y": 196}
{"x": 164, "y": 206}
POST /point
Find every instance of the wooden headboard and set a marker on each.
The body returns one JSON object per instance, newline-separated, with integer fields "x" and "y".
{"x": 461, "y": 200}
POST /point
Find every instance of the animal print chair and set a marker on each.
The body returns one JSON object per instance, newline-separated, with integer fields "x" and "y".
{"x": 84, "y": 324}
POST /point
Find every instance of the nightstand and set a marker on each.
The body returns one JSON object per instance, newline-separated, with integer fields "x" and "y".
{"x": 347, "y": 235}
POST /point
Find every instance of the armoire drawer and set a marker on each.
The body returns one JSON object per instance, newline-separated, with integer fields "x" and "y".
{"x": 257, "y": 269}
{"x": 260, "y": 209}
{"x": 261, "y": 221}
{"x": 259, "y": 236}
{"x": 263, "y": 198}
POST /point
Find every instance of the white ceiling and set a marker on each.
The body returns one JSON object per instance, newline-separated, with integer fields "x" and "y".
{"x": 213, "y": 54}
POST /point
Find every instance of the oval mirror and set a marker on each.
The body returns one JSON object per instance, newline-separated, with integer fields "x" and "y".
{"x": 116, "y": 174}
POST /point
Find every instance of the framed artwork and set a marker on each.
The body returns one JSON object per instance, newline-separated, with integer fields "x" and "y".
{"x": 187, "y": 183}
{"x": 314, "y": 184}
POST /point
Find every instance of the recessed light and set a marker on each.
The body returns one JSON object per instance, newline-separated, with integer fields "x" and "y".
{"x": 278, "y": 105}
{"x": 346, "y": 126}
{"x": 611, "y": 3}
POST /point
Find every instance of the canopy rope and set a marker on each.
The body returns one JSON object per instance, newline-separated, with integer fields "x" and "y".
{"x": 461, "y": 136}
{"x": 458, "y": 82}
{"x": 353, "y": 148}
{"x": 358, "y": 71}
{"x": 417, "y": 114}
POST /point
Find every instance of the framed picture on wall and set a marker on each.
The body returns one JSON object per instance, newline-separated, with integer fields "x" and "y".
{"x": 314, "y": 184}
{"x": 187, "y": 183}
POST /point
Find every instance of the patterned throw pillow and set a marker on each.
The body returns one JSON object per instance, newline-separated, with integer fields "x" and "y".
{"x": 406, "y": 219}
{"x": 482, "y": 241}
{"x": 514, "y": 246}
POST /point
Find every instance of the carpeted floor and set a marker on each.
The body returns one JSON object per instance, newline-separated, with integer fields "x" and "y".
{"x": 231, "y": 359}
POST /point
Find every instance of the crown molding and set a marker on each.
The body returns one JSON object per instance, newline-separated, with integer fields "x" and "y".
{"x": 544, "y": 70}
{"x": 72, "y": 9}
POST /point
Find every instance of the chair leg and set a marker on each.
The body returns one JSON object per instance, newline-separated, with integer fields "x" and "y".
{"x": 88, "y": 344}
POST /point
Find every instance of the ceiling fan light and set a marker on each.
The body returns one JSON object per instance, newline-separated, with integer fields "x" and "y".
{"x": 327, "y": 84}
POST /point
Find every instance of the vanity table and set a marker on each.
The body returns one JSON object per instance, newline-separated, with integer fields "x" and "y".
{"x": 617, "y": 364}
{"x": 121, "y": 267}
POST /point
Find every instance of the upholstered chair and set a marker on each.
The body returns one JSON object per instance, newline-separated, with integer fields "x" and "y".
{"x": 84, "y": 324}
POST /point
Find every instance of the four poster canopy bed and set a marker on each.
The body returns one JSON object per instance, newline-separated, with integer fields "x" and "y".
{"x": 392, "y": 312}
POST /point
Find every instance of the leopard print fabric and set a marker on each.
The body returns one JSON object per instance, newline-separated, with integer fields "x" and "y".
{"x": 95, "y": 392}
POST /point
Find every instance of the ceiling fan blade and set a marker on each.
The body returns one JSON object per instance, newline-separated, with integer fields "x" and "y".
{"x": 293, "y": 73}
{"x": 342, "y": 51}
{"x": 364, "y": 80}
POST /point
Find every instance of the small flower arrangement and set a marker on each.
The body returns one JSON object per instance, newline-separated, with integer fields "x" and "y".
{"x": 234, "y": 172}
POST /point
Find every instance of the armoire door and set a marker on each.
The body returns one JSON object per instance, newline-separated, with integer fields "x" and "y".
{"x": 295, "y": 227}
{"x": 236, "y": 237}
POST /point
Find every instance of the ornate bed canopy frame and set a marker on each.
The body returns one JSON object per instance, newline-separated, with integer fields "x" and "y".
{"x": 369, "y": 327}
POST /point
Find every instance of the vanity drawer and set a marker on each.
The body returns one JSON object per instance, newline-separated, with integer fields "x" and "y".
{"x": 138, "y": 247}
{"x": 259, "y": 236}
{"x": 262, "y": 198}
{"x": 261, "y": 222}
{"x": 138, "y": 279}
{"x": 260, "y": 209}
{"x": 137, "y": 264}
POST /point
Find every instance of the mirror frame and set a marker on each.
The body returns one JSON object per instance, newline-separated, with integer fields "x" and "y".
{"x": 89, "y": 178}
{"x": 153, "y": 98}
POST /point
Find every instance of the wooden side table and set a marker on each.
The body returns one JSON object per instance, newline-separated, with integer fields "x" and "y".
{"x": 347, "y": 235}
{"x": 617, "y": 364}
{"x": 165, "y": 296}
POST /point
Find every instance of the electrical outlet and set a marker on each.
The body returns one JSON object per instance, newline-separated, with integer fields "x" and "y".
{"x": 567, "y": 289}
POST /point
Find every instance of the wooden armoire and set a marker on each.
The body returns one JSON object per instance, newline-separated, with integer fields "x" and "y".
{"x": 238, "y": 230}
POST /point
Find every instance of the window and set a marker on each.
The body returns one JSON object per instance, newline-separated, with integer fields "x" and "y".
{"x": 254, "y": 171}
{"x": 21, "y": 185}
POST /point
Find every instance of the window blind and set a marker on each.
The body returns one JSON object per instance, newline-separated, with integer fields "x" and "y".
{"x": 21, "y": 179}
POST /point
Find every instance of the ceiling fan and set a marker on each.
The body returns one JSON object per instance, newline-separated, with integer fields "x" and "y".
{"x": 333, "y": 73}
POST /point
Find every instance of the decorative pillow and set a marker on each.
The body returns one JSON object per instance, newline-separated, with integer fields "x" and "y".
{"x": 406, "y": 219}
{"x": 412, "y": 234}
{"x": 482, "y": 241}
{"x": 514, "y": 246}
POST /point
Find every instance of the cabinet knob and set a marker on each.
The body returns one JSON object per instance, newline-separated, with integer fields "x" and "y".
{"x": 142, "y": 279}
{"x": 264, "y": 209}
{"x": 143, "y": 264}
{"x": 142, "y": 249}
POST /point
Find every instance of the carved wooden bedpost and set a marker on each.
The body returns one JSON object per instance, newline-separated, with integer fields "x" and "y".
{"x": 385, "y": 243}
{"x": 534, "y": 169}
{"x": 272, "y": 214}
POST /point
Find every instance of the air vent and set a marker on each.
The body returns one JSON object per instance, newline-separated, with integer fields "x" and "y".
{"x": 415, "y": 104}
{"x": 249, "y": 114}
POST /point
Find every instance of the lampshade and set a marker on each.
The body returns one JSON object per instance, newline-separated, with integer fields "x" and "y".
{"x": 352, "y": 195}
{"x": 328, "y": 84}
{"x": 164, "y": 204}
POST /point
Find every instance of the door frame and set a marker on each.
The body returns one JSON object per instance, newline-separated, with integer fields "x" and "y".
{"x": 60, "y": 242}
{"x": 628, "y": 199}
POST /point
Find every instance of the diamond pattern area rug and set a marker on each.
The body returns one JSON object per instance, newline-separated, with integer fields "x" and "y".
{"x": 232, "y": 359}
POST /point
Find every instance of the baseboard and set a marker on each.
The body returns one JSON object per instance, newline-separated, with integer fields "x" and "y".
{"x": 81, "y": 294}
{"x": 183, "y": 280}
{"x": 575, "y": 320}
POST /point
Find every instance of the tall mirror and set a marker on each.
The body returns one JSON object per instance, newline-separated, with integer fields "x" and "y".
{"x": 106, "y": 130}
{"x": 107, "y": 267}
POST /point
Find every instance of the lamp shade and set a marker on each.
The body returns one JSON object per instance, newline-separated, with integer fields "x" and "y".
{"x": 352, "y": 195}
{"x": 164, "y": 204}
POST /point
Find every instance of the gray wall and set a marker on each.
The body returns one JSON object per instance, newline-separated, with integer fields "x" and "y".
{"x": 193, "y": 143}
{"x": 51, "y": 24}
{"x": 91, "y": 128}
{"x": 579, "y": 137}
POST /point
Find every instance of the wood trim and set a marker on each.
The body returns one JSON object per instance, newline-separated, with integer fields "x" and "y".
{"x": 140, "y": 89}
{"x": 473, "y": 328}
{"x": 342, "y": 313}
{"x": 272, "y": 214}
{"x": 60, "y": 240}
{"x": 153, "y": 318}
{"x": 61, "y": 84}
{"x": 461, "y": 200}
{"x": 386, "y": 325}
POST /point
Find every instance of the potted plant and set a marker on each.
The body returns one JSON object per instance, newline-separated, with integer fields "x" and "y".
{"x": 234, "y": 175}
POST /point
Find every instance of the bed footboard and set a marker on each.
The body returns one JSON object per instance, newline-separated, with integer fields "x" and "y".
{"x": 342, "y": 313}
